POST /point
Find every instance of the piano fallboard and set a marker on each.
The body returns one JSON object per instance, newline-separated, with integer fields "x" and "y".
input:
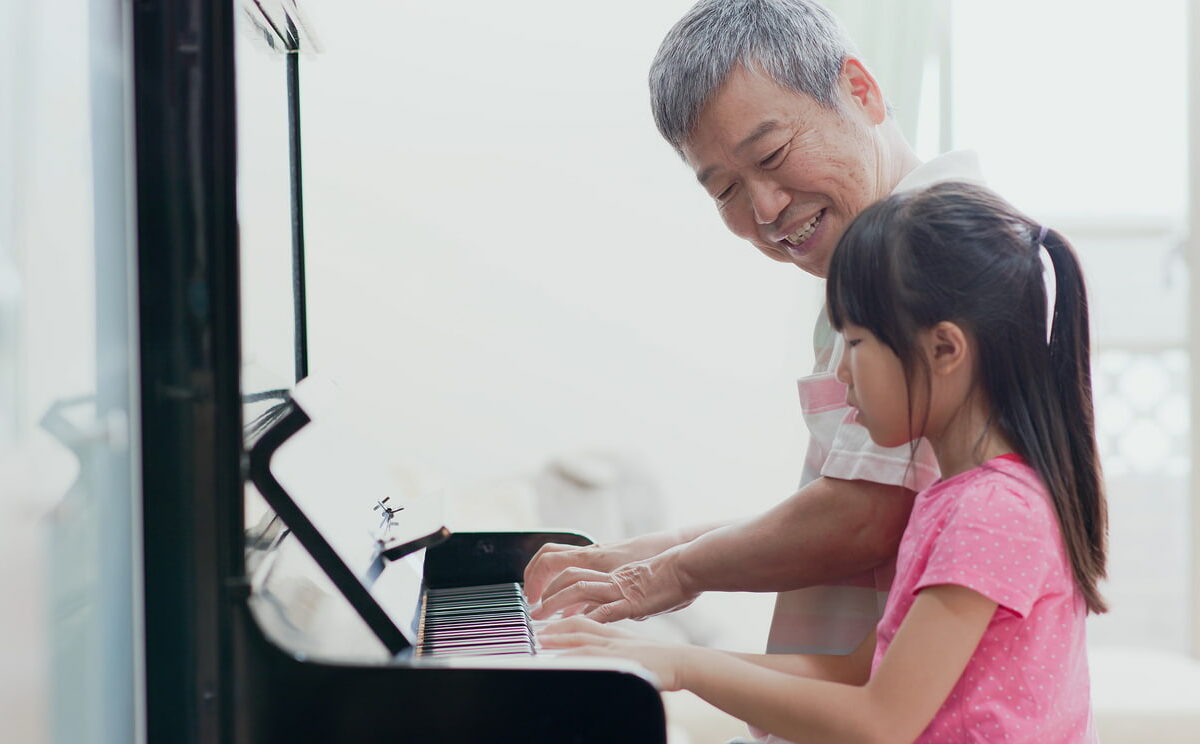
{"x": 305, "y": 687}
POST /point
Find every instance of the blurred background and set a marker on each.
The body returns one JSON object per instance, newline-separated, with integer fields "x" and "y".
{"x": 541, "y": 314}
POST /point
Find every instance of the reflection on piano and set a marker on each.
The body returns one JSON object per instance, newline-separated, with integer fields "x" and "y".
{"x": 451, "y": 651}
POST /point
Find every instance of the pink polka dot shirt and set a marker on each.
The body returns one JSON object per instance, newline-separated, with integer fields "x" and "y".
{"x": 993, "y": 529}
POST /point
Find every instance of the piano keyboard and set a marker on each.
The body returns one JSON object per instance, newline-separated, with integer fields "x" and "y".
{"x": 488, "y": 620}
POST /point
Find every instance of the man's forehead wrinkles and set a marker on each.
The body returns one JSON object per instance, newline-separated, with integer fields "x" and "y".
{"x": 759, "y": 132}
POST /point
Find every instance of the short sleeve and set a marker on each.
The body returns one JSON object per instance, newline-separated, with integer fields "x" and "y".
{"x": 853, "y": 456}
{"x": 995, "y": 542}
{"x": 840, "y": 447}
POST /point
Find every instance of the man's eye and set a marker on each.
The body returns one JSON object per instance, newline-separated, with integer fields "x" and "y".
{"x": 773, "y": 159}
{"x": 724, "y": 194}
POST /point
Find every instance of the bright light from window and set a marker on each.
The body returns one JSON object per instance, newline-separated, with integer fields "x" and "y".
{"x": 1078, "y": 108}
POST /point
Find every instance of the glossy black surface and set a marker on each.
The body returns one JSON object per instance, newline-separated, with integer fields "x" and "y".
{"x": 290, "y": 697}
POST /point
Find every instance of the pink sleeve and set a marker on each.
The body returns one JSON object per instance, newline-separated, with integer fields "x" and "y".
{"x": 995, "y": 543}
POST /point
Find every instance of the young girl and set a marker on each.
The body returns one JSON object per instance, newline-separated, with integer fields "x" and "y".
{"x": 940, "y": 297}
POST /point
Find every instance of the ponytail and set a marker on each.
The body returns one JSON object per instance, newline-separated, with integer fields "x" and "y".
{"x": 1073, "y": 470}
{"x": 956, "y": 251}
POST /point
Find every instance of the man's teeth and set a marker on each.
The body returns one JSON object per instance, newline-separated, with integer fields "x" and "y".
{"x": 805, "y": 231}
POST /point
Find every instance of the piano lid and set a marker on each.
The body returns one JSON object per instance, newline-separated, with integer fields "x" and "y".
{"x": 338, "y": 474}
{"x": 361, "y": 522}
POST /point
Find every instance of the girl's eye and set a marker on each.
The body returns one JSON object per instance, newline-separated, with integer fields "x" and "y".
{"x": 773, "y": 159}
{"x": 853, "y": 341}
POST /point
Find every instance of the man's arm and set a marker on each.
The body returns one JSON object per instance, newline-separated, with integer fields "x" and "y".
{"x": 828, "y": 530}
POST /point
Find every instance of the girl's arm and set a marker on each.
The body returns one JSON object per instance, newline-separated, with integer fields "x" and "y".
{"x": 853, "y": 668}
{"x": 922, "y": 665}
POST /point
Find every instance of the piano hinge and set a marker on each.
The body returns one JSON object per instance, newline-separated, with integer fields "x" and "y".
{"x": 178, "y": 392}
{"x": 238, "y": 587}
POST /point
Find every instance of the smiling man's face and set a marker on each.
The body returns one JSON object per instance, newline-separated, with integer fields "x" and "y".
{"x": 788, "y": 174}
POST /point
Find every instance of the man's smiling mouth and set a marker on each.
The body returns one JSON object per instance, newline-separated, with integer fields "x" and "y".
{"x": 803, "y": 233}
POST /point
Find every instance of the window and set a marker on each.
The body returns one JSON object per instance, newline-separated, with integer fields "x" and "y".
{"x": 1086, "y": 131}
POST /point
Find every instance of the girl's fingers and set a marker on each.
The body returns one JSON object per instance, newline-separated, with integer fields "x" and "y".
{"x": 568, "y": 640}
{"x": 577, "y": 624}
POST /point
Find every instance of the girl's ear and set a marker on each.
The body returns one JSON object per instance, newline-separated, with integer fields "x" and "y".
{"x": 946, "y": 347}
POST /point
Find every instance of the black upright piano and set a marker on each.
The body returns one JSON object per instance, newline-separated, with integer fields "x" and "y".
{"x": 270, "y": 615}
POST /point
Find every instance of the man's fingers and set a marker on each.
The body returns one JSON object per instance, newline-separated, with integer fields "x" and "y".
{"x": 575, "y": 598}
{"x": 547, "y": 562}
{"x": 580, "y": 593}
{"x": 574, "y": 575}
{"x": 611, "y": 612}
{"x": 579, "y": 610}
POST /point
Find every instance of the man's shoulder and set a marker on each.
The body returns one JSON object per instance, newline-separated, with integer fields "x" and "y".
{"x": 956, "y": 165}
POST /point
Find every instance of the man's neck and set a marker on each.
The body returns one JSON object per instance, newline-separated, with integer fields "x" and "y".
{"x": 896, "y": 157}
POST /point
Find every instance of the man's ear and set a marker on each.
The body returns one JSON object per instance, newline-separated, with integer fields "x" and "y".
{"x": 864, "y": 92}
{"x": 946, "y": 347}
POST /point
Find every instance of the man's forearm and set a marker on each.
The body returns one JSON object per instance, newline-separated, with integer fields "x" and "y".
{"x": 653, "y": 543}
{"x": 828, "y": 530}
{"x": 687, "y": 534}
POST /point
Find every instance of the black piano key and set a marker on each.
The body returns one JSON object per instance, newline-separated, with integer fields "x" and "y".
{"x": 477, "y": 633}
{"x": 476, "y": 621}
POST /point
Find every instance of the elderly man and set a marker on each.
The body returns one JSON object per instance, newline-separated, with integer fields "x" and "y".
{"x": 791, "y": 137}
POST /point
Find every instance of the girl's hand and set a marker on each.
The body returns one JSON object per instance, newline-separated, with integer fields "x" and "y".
{"x": 586, "y": 637}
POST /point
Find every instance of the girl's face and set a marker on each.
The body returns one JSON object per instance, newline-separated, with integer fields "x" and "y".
{"x": 878, "y": 388}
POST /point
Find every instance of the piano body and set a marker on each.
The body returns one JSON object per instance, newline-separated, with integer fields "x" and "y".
{"x": 289, "y": 697}
{"x": 239, "y": 641}
{"x": 444, "y": 648}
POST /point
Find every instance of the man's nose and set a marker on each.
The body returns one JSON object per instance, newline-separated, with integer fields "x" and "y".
{"x": 769, "y": 201}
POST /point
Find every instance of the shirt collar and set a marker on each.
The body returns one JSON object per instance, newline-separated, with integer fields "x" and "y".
{"x": 959, "y": 165}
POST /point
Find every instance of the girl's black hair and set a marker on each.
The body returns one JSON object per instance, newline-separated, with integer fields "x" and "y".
{"x": 958, "y": 252}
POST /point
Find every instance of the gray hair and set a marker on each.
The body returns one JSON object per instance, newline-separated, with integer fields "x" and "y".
{"x": 797, "y": 43}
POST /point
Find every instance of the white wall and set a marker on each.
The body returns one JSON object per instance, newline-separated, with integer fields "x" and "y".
{"x": 503, "y": 249}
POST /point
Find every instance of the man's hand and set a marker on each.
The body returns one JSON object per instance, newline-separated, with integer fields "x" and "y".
{"x": 636, "y": 590}
{"x": 553, "y": 558}
{"x": 828, "y": 530}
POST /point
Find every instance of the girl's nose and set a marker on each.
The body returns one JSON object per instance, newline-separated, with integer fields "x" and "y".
{"x": 843, "y": 371}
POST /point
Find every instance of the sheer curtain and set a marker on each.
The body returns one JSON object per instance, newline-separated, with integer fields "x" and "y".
{"x": 905, "y": 45}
